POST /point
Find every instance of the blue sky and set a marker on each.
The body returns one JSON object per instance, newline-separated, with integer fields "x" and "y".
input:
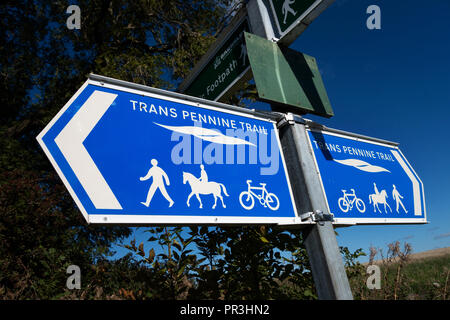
{"x": 392, "y": 84}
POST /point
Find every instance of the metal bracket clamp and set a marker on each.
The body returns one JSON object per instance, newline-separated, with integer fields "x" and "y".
{"x": 290, "y": 119}
{"x": 317, "y": 216}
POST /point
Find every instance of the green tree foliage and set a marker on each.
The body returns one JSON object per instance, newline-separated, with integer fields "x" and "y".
{"x": 42, "y": 64}
{"x": 232, "y": 263}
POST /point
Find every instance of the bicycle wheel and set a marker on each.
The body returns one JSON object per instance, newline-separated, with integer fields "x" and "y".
{"x": 343, "y": 204}
{"x": 246, "y": 200}
{"x": 272, "y": 201}
{"x": 360, "y": 205}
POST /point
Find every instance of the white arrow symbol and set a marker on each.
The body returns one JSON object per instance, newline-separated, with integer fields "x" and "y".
{"x": 70, "y": 142}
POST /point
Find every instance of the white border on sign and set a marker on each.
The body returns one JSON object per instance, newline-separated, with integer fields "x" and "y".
{"x": 49, "y": 155}
{"x": 362, "y": 221}
{"x": 131, "y": 219}
{"x": 421, "y": 183}
{"x": 188, "y": 220}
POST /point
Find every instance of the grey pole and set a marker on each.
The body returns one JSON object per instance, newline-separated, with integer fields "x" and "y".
{"x": 326, "y": 261}
{"x": 258, "y": 16}
{"x": 320, "y": 240}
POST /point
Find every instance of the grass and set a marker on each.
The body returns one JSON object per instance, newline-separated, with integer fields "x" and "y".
{"x": 403, "y": 278}
{"x": 427, "y": 279}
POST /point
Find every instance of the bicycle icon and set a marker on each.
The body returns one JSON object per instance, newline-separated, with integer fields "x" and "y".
{"x": 247, "y": 198}
{"x": 347, "y": 201}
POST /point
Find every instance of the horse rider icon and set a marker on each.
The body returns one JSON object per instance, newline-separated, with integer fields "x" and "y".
{"x": 379, "y": 198}
{"x": 202, "y": 186}
{"x": 203, "y": 174}
{"x": 376, "y": 189}
{"x": 159, "y": 176}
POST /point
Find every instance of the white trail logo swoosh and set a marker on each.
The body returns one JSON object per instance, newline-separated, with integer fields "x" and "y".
{"x": 207, "y": 134}
{"x": 361, "y": 165}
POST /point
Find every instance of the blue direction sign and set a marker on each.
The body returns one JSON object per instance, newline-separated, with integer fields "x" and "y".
{"x": 367, "y": 181}
{"x": 137, "y": 155}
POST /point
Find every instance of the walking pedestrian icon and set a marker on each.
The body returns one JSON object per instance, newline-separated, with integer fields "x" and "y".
{"x": 288, "y": 14}
{"x": 286, "y": 8}
{"x": 159, "y": 176}
{"x": 397, "y": 197}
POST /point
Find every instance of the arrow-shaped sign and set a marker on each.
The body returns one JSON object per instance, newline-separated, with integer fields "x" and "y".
{"x": 366, "y": 180}
{"x": 138, "y": 155}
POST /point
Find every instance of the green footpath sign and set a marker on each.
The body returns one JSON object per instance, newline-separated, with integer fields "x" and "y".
{"x": 224, "y": 68}
{"x": 288, "y": 13}
{"x": 287, "y": 79}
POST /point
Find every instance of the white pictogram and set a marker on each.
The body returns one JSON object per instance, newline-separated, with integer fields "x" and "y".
{"x": 247, "y": 198}
{"x": 159, "y": 176}
{"x": 202, "y": 186}
{"x": 379, "y": 198}
{"x": 206, "y": 134}
{"x": 347, "y": 201}
{"x": 361, "y": 165}
{"x": 286, "y": 8}
{"x": 397, "y": 197}
{"x": 203, "y": 174}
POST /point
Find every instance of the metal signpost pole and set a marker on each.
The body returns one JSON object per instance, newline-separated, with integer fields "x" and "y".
{"x": 320, "y": 240}
{"x": 258, "y": 16}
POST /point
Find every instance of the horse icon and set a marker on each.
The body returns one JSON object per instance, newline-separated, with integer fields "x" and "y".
{"x": 198, "y": 187}
{"x": 379, "y": 198}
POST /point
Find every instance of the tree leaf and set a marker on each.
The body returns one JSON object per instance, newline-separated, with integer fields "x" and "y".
{"x": 141, "y": 250}
{"x": 133, "y": 244}
{"x": 151, "y": 255}
{"x": 176, "y": 245}
{"x": 264, "y": 239}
